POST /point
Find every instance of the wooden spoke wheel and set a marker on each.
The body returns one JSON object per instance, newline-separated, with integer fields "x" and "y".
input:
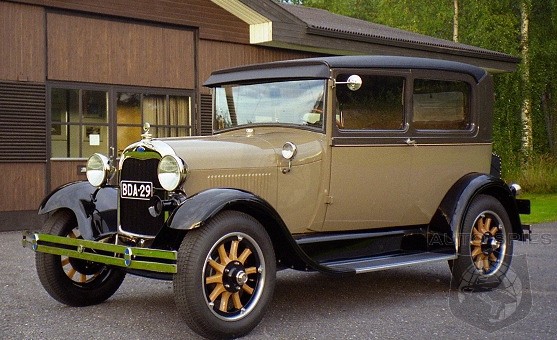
{"x": 488, "y": 243}
{"x": 79, "y": 271}
{"x": 226, "y": 276}
{"x": 71, "y": 281}
{"x": 485, "y": 248}
{"x": 234, "y": 276}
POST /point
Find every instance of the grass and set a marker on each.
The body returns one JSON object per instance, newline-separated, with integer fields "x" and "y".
{"x": 543, "y": 206}
{"x": 538, "y": 176}
{"x": 538, "y": 180}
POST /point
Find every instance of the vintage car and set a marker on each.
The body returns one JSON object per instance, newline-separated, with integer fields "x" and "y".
{"x": 341, "y": 165}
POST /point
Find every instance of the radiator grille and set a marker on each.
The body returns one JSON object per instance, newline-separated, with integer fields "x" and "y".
{"x": 134, "y": 214}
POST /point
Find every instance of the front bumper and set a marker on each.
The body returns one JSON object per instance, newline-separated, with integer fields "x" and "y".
{"x": 145, "y": 259}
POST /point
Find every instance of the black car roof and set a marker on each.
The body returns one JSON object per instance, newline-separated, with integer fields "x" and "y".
{"x": 320, "y": 68}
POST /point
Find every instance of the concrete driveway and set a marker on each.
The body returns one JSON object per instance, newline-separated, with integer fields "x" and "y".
{"x": 406, "y": 303}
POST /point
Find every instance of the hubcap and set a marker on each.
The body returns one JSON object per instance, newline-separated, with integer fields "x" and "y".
{"x": 241, "y": 278}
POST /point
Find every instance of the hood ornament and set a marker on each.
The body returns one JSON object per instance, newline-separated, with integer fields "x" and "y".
{"x": 147, "y": 136}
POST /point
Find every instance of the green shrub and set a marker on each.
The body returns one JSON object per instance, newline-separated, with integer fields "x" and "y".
{"x": 538, "y": 176}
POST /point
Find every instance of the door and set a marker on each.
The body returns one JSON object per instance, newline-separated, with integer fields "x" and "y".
{"x": 370, "y": 157}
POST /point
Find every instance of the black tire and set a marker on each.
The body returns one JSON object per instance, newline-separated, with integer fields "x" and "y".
{"x": 72, "y": 281}
{"x": 226, "y": 276}
{"x": 486, "y": 246}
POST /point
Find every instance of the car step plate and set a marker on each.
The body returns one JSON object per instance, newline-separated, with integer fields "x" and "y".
{"x": 364, "y": 265}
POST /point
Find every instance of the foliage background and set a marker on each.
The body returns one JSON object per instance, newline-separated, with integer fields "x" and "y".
{"x": 494, "y": 25}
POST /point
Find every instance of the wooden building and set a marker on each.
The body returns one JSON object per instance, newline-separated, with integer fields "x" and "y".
{"x": 80, "y": 76}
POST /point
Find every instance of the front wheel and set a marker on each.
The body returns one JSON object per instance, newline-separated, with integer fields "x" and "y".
{"x": 486, "y": 246}
{"x": 226, "y": 276}
{"x": 71, "y": 281}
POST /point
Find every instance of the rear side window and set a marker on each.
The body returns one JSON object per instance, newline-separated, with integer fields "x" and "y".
{"x": 441, "y": 105}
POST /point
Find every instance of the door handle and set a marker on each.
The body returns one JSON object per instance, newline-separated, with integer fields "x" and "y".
{"x": 411, "y": 142}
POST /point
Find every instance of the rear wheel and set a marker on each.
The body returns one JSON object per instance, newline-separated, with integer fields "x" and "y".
{"x": 71, "y": 281}
{"x": 485, "y": 246}
{"x": 226, "y": 276}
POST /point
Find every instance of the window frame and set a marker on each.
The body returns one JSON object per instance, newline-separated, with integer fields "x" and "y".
{"x": 400, "y": 137}
{"x": 367, "y": 137}
{"x": 112, "y": 124}
{"x": 81, "y": 123}
{"x": 167, "y": 92}
{"x": 457, "y": 134}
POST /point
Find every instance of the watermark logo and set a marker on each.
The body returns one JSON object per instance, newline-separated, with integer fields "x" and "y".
{"x": 492, "y": 302}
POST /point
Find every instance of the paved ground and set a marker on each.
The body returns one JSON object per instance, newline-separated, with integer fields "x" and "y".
{"x": 407, "y": 303}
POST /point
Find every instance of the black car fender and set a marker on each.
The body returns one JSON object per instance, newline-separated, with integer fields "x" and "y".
{"x": 455, "y": 204}
{"x": 95, "y": 209}
{"x": 198, "y": 209}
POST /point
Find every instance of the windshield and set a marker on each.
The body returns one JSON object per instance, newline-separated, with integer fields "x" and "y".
{"x": 297, "y": 102}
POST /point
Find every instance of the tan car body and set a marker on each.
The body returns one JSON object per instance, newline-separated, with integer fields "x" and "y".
{"x": 251, "y": 160}
{"x": 389, "y": 185}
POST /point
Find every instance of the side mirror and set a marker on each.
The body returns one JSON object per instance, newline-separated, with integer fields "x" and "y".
{"x": 354, "y": 82}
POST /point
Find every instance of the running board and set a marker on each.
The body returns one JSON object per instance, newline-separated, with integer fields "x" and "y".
{"x": 365, "y": 265}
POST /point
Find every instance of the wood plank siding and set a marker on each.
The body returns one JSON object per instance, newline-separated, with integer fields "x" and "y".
{"x": 22, "y": 37}
{"x": 213, "y": 22}
{"x": 96, "y": 50}
{"x": 23, "y": 186}
{"x": 215, "y": 55}
{"x": 66, "y": 171}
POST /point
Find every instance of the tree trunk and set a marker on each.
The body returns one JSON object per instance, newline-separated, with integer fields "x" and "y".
{"x": 526, "y": 110}
{"x": 455, "y": 21}
{"x": 549, "y": 113}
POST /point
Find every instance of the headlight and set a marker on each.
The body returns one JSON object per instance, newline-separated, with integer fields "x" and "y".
{"x": 98, "y": 170}
{"x": 289, "y": 150}
{"x": 171, "y": 172}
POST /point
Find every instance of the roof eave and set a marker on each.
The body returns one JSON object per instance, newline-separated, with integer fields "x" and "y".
{"x": 260, "y": 27}
{"x": 506, "y": 63}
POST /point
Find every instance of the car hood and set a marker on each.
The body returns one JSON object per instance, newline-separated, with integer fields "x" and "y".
{"x": 247, "y": 148}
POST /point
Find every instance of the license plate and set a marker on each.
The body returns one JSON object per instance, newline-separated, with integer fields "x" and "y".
{"x": 136, "y": 190}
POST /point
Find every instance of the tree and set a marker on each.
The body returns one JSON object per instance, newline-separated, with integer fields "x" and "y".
{"x": 455, "y": 21}
{"x": 543, "y": 42}
{"x": 526, "y": 109}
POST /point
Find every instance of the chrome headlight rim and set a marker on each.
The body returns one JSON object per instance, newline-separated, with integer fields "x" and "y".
{"x": 171, "y": 172}
{"x": 289, "y": 150}
{"x": 98, "y": 170}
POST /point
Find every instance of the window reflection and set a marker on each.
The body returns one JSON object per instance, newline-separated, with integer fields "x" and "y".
{"x": 73, "y": 124}
{"x": 95, "y": 106}
{"x": 297, "y": 102}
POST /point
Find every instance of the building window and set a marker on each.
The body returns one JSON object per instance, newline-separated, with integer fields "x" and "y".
{"x": 85, "y": 121}
{"x": 79, "y": 124}
{"x": 169, "y": 116}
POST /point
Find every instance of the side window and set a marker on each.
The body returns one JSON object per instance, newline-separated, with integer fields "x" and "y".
{"x": 441, "y": 105}
{"x": 377, "y": 105}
